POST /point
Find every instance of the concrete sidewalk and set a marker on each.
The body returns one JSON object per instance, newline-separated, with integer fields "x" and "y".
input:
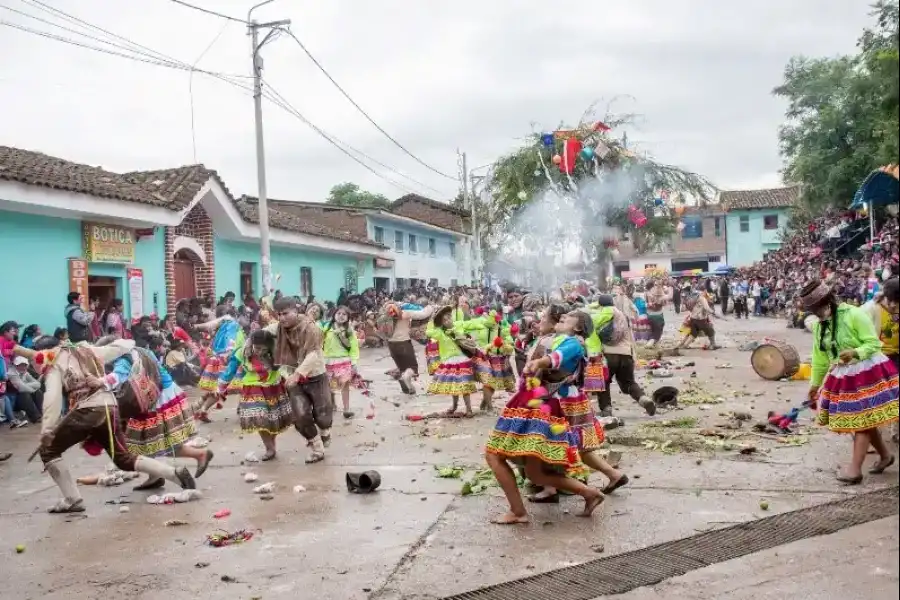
{"x": 859, "y": 563}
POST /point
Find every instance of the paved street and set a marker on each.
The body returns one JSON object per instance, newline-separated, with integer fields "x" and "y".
{"x": 418, "y": 538}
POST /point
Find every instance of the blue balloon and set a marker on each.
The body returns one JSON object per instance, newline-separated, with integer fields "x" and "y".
{"x": 547, "y": 139}
{"x": 658, "y": 201}
{"x": 587, "y": 153}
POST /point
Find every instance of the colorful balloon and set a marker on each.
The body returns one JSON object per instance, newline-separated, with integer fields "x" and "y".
{"x": 679, "y": 209}
{"x": 587, "y": 153}
{"x": 557, "y": 159}
{"x": 547, "y": 139}
{"x": 658, "y": 201}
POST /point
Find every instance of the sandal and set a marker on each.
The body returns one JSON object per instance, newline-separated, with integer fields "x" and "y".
{"x": 850, "y": 480}
{"x": 65, "y": 507}
{"x": 590, "y": 505}
{"x": 203, "y": 464}
{"x": 348, "y": 414}
{"x": 614, "y": 485}
{"x": 882, "y": 465}
{"x": 269, "y": 455}
{"x": 314, "y": 457}
{"x": 510, "y": 519}
{"x": 538, "y": 499}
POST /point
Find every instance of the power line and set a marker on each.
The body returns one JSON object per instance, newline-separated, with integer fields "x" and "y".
{"x": 363, "y": 112}
{"x": 210, "y": 12}
{"x": 146, "y": 56}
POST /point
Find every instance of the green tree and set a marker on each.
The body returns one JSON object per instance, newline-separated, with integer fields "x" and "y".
{"x": 592, "y": 206}
{"x": 349, "y": 194}
{"x": 842, "y": 115}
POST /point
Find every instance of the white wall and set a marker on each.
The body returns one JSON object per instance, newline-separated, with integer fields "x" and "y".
{"x": 641, "y": 263}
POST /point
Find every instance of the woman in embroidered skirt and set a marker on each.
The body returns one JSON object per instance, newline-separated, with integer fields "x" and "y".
{"x": 534, "y": 428}
{"x": 853, "y": 383}
{"x": 575, "y": 404}
{"x": 264, "y": 407}
{"x": 455, "y": 375}
{"x": 493, "y": 368}
{"x": 341, "y": 356}
{"x": 884, "y": 311}
{"x": 228, "y": 336}
{"x": 166, "y": 429}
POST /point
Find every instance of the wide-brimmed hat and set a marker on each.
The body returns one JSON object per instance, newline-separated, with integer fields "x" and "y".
{"x": 813, "y": 294}
{"x": 439, "y": 314}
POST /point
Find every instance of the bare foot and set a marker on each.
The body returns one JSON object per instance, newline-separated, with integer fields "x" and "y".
{"x": 591, "y": 503}
{"x": 510, "y": 518}
{"x": 269, "y": 455}
{"x": 450, "y": 412}
{"x": 469, "y": 414}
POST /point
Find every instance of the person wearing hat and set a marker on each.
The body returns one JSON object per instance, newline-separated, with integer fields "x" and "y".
{"x": 853, "y": 384}
{"x": 25, "y": 391}
{"x": 455, "y": 373}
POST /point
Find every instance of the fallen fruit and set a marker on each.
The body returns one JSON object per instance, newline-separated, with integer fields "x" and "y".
{"x": 20, "y": 549}
{"x": 763, "y": 505}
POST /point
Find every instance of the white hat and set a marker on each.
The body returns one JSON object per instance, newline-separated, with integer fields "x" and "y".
{"x": 20, "y": 360}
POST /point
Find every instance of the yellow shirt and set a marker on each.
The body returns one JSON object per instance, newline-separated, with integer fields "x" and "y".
{"x": 889, "y": 333}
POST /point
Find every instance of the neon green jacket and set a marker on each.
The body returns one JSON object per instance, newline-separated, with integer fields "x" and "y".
{"x": 447, "y": 346}
{"x": 485, "y": 328}
{"x": 334, "y": 348}
{"x": 600, "y": 316}
{"x": 855, "y": 331}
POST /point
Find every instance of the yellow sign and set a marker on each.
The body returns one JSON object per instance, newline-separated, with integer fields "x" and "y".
{"x": 108, "y": 243}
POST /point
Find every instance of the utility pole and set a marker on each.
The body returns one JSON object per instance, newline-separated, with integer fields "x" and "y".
{"x": 253, "y": 28}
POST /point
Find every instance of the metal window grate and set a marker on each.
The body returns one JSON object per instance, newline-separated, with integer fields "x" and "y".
{"x": 648, "y": 566}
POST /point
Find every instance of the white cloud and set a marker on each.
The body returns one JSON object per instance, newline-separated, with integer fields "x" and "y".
{"x": 437, "y": 76}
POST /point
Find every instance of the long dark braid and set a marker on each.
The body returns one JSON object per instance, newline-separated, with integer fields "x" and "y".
{"x": 831, "y": 324}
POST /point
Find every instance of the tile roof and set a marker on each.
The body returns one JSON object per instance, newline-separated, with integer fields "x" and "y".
{"x": 429, "y": 202}
{"x": 783, "y": 197}
{"x": 249, "y": 210}
{"x": 435, "y": 213}
{"x": 179, "y": 185}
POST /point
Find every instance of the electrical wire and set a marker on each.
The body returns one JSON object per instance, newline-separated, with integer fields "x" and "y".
{"x": 363, "y": 112}
{"x": 148, "y": 56}
{"x": 209, "y": 12}
{"x": 191, "y": 84}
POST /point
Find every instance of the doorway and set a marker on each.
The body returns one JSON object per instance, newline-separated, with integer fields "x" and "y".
{"x": 185, "y": 282}
{"x": 382, "y": 284}
{"x": 103, "y": 289}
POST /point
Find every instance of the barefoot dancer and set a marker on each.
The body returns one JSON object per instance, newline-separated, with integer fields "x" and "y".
{"x": 169, "y": 424}
{"x": 341, "y": 356}
{"x": 853, "y": 383}
{"x": 575, "y": 405}
{"x": 492, "y": 366}
{"x": 299, "y": 356}
{"x": 228, "y": 336}
{"x": 264, "y": 407}
{"x": 93, "y": 418}
{"x": 455, "y": 375}
{"x": 534, "y": 429}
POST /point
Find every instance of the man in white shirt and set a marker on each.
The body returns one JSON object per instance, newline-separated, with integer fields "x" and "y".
{"x": 25, "y": 389}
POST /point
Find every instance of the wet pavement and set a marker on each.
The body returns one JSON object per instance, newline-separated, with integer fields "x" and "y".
{"x": 418, "y": 537}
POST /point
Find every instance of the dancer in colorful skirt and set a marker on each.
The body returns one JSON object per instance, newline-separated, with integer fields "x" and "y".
{"x": 455, "y": 375}
{"x": 264, "y": 407}
{"x": 884, "y": 311}
{"x": 854, "y": 385}
{"x": 596, "y": 372}
{"x": 167, "y": 427}
{"x": 493, "y": 368}
{"x": 641, "y": 324}
{"x": 575, "y": 404}
{"x": 534, "y": 428}
{"x": 228, "y": 336}
{"x": 341, "y": 356}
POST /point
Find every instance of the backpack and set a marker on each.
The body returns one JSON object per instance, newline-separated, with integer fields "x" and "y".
{"x": 609, "y": 333}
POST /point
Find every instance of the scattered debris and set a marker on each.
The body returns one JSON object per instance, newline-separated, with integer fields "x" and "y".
{"x": 221, "y": 537}
{"x": 266, "y": 488}
{"x": 124, "y": 509}
{"x": 175, "y": 523}
{"x": 175, "y": 497}
{"x": 201, "y": 565}
{"x": 20, "y": 548}
{"x": 299, "y": 489}
{"x": 679, "y": 423}
{"x": 221, "y": 514}
{"x": 109, "y": 478}
{"x": 250, "y": 477}
{"x": 449, "y": 471}
{"x": 228, "y": 579}
{"x": 763, "y": 505}
{"x": 198, "y": 442}
{"x": 266, "y": 496}
{"x": 251, "y": 457}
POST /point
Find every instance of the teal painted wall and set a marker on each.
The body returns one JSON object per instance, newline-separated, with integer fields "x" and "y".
{"x": 35, "y": 250}
{"x": 327, "y": 269}
{"x": 747, "y": 247}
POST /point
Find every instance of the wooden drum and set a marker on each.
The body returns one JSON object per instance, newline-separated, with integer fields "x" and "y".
{"x": 775, "y": 360}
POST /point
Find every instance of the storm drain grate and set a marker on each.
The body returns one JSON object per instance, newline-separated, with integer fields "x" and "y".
{"x": 648, "y": 566}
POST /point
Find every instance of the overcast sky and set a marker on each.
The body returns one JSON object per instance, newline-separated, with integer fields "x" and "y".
{"x": 474, "y": 75}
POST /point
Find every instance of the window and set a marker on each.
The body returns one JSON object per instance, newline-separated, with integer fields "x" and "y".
{"x": 432, "y": 283}
{"x": 413, "y": 244}
{"x": 453, "y": 249}
{"x": 648, "y": 266}
{"x": 693, "y": 228}
{"x": 454, "y": 282}
{"x": 715, "y": 258}
{"x": 351, "y": 279}
{"x": 745, "y": 223}
{"x": 770, "y": 222}
{"x": 306, "y": 282}
{"x": 248, "y": 276}
{"x": 432, "y": 247}
{"x": 379, "y": 235}
{"x": 718, "y": 222}
{"x": 401, "y": 284}
{"x": 398, "y": 241}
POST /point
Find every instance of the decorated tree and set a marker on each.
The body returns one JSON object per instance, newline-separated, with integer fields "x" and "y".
{"x": 591, "y": 191}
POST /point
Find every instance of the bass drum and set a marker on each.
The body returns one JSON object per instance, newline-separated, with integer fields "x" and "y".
{"x": 775, "y": 360}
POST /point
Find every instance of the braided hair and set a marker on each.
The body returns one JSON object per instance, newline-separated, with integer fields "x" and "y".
{"x": 826, "y": 326}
